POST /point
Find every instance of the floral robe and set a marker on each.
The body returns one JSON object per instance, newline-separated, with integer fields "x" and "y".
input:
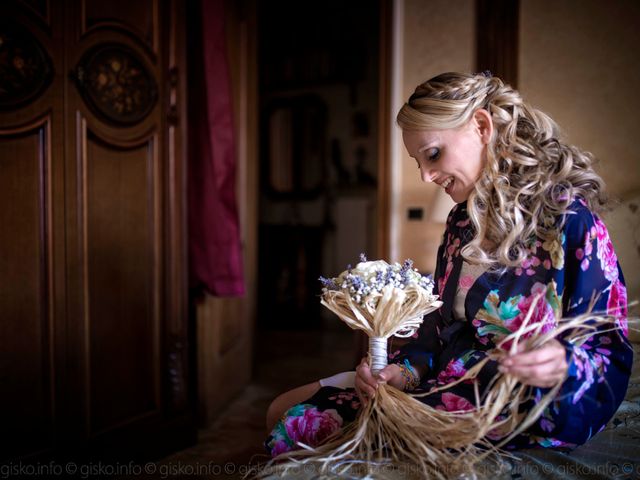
{"x": 578, "y": 265}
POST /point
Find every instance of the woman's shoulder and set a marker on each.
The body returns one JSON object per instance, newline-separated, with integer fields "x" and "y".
{"x": 579, "y": 221}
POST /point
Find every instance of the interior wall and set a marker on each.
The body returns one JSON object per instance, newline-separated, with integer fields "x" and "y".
{"x": 436, "y": 39}
{"x": 579, "y": 62}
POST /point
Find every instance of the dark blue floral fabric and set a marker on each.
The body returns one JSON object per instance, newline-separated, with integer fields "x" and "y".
{"x": 569, "y": 271}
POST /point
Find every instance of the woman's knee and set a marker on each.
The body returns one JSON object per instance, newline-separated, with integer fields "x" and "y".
{"x": 288, "y": 399}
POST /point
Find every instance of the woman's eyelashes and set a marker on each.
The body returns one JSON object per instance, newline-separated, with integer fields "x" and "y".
{"x": 434, "y": 154}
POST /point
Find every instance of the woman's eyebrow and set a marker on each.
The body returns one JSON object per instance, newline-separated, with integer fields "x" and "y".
{"x": 424, "y": 147}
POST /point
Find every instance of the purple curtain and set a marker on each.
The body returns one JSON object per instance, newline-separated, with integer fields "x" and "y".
{"x": 215, "y": 253}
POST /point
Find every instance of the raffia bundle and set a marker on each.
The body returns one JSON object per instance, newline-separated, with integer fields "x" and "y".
{"x": 397, "y": 434}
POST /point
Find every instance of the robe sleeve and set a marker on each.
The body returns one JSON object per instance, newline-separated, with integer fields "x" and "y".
{"x": 424, "y": 346}
{"x": 599, "y": 369}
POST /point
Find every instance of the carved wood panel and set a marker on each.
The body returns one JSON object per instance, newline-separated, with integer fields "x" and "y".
{"x": 122, "y": 277}
{"x": 139, "y": 19}
{"x": 26, "y": 408}
{"x": 93, "y": 342}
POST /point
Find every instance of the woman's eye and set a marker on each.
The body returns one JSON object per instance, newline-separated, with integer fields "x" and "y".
{"x": 434, "y": 154}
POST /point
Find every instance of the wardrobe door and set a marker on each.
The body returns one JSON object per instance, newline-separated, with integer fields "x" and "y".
{"x": 126, "y": 317}
{"x": 32, "y": 287}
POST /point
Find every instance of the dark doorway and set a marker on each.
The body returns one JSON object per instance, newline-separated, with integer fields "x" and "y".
{"x": 318, "y": 95}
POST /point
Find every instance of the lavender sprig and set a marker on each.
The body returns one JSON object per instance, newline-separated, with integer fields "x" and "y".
{"x": 328, "y": 283}
{"x": 370, "y": 278}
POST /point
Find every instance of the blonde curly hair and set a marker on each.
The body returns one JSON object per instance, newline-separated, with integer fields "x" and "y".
{"x": 531, "y": 176}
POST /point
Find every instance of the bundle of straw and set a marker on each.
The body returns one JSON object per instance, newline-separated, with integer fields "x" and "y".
{"x": 395, "y": 429}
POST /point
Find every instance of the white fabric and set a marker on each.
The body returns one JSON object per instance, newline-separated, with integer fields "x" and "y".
{"x": 378, "y": 350}
{"x": 340, "y": 380}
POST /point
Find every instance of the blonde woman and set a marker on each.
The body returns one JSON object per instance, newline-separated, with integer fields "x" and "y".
{"x": 525, "y": 223}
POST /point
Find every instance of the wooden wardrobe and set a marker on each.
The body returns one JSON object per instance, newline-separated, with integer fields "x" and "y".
{"x": 95, "y": 356}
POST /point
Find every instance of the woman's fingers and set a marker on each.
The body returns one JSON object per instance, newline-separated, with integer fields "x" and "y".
{"x": 391, "y": 375}
{"x": 365, "y": 383}
{"x": 544, "y": 374}
{"x": 543, "y": 367}
{"x": 551, "y": 351}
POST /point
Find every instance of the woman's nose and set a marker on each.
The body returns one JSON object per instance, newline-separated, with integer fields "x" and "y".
{"x": 427, "y": 175}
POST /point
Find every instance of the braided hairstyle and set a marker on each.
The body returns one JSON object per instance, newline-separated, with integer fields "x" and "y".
{"x": 530, "y": 177}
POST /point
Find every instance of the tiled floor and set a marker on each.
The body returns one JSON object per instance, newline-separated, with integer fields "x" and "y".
{"x": 284, "y": 359}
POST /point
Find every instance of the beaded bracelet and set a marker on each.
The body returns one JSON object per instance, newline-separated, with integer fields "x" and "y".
{"x": 412, "y": 380}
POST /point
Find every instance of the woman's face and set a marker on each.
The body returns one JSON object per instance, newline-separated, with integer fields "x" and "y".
{"x": 455, "y": 158}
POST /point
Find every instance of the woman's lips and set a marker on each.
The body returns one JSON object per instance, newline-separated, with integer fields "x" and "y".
{"x": 448, "y": 184}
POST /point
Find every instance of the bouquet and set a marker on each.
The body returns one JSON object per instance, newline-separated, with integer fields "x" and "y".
{"x": 381, "y": 300}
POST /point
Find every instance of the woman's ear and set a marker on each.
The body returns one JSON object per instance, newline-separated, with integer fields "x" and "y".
{"x": 483, "y": 124}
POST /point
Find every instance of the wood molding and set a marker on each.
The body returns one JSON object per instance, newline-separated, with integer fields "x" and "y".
{"x": 28, "y": 303}
{"x": 148, "y": 144}
{"x": 384, "y": 140}
{"x": 150, "y": 40}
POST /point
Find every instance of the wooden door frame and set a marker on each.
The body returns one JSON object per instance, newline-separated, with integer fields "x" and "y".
{"x": 385, "y": 92}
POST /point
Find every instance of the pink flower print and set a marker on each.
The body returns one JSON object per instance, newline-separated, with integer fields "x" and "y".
{"x": 455, "y": 369}
{"x": 526, "y": 265}
{"x": 617, "y": 305}
{"x": 579, "y": 254}
{"x": 543, "y": 314}
{"x": 466, "y": 281}
{"x": 454, "y": 403}
{"x": 588, "y": 244}
{"x": 451, "y": 249}
{"x": 547, "y": 264}
{"x": 584, "y": 265}
{"x": 608, "y": 259}
{"x": 278, "y": 447}
{"x": 463, "y": 223}
{"x": 313, "y": 426}
{"x": 443, "y": 281}
{"x": 538, "y": 289}
{"x": 394, "y": 354}
{"x": 343, "y": 397}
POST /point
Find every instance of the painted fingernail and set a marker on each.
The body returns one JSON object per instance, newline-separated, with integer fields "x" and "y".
{"x": 502, "y": 369}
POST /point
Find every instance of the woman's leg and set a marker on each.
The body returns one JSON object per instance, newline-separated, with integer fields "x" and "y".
{"x": 285, "y": 401}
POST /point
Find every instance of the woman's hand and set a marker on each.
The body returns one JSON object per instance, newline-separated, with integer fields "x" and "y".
{"x": 367, "y": 383}
{"x": 542, "y": 367}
